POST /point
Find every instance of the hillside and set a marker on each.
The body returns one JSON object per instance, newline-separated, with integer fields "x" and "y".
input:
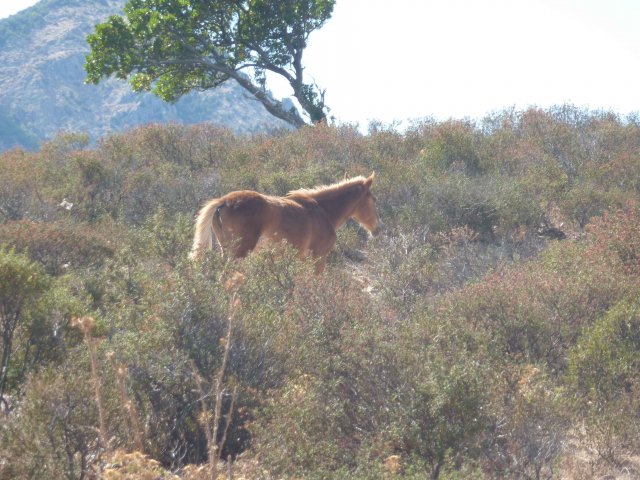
{"x": 492, "y": 331}
{"x": 42, "y": 90}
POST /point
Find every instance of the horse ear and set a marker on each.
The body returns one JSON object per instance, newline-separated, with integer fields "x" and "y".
{"x": 369, "y": 181}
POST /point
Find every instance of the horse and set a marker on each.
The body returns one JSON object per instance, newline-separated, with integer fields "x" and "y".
{"x": 306, "y": 218}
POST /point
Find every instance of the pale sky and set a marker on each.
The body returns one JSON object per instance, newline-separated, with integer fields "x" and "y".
{"x": 396, "y": 60}
{"x": 9, "y": 7}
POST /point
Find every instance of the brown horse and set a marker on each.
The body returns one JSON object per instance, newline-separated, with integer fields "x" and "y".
{"x": 307, "y": 219}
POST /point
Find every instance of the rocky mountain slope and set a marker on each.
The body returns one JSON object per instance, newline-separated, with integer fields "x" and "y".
{"x": 42, "y": 90}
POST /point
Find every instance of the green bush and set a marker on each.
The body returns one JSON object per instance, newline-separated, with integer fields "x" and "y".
{"x": 603, "y": 370}
{"x": 453, "y": 145}
{"x": 52, "y": 434}
{"x": 22, "y": 286}
{"x": 604, "y": 365}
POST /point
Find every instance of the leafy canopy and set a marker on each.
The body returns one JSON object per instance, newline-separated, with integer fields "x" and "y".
{"x": 171, "y": 47}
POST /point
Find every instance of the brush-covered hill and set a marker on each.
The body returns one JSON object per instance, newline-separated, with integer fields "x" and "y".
{"x": 42, "y": 88}
{"x": 492, "y": 331}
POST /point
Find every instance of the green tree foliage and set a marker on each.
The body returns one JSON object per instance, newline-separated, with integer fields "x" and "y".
{"x": 173, "y": 47}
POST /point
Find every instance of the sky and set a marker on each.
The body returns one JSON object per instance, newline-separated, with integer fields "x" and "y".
{"x": 400, "y": 60}
{"x": 9, "y": 7}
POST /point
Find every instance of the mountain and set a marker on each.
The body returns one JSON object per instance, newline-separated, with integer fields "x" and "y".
{"x": 42, "y": 89}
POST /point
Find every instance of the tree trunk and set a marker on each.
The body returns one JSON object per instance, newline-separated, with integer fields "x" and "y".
{"x": 274, "y": 107}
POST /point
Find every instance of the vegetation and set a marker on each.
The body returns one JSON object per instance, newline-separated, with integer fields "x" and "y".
{"x": 174, "y": 47}
{"x": 492, "y": 332}
{"x": 14, "y": 133}
{"x": 13, "y": 28}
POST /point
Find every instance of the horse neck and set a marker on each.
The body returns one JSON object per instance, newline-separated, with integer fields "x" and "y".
{"x": 339, "y": 206}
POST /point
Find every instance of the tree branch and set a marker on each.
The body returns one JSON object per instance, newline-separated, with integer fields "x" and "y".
{"x": 274, "y": 107}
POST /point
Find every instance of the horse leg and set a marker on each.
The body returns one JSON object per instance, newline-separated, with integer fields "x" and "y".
{"x": 320, "y": 263}
{"x": 321, "y": 248}
{"x": 245, "y": 244}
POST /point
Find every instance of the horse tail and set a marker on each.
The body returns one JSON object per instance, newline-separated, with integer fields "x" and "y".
{"x": 207, "y": 224}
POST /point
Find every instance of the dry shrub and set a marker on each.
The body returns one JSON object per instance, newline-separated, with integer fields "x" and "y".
{"x": 531, "y": 425}
{"x": 120, "y": 465}
{"x": 604, "y": 374}
{"x": 52, "y": 433}
{"x": 59, "y": 246}
{"x": 616, "y": 238}
{"x": 453, "y": 145}
{"x": 18, "y": 184}
{"x": 448, "y": 353}
{"x": 328, "y": 344}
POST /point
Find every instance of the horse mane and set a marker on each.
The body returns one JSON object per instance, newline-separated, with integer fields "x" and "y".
{"x": 325, "y": 192}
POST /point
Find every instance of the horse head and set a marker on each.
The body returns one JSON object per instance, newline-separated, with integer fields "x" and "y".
{"x": 366, "y": 213}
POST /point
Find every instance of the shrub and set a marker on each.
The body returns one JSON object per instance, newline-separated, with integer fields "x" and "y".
{"x": 165, "y": 236}
{"x": 52, "y": 432}
{"x": 22, "y": 285}
{"x": 531, "y": 425}
{"x": 460, "y": 345}
{"x": 18, "y": 184}
{"x": 442, "y": 410}
{"x": 603, "y": 370}
{"x": 59, "y": 246}
{"x": 456, "y": 201}
{"x": 337, "y": 382}
{"x": 453, "y": 145}
{"x": 617, "y": 240}
{"x": 604, "y": 364}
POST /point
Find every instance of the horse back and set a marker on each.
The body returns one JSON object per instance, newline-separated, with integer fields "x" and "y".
{"x": 244, "y": 210}
{"x": 246, "y": 216}
{"x": 246, "y": 213}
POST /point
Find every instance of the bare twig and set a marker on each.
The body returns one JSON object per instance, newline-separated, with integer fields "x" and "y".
{"x": 227, "y": 417}
{"x": 217, "y": 387}
{"x": 127, "y": 403}
{"x": 86, "y": 324}
{"x": 214, "y": 447}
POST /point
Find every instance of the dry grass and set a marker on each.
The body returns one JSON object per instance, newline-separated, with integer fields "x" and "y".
{"x": 120, "y": 465}
{"x": 580, "y": 463}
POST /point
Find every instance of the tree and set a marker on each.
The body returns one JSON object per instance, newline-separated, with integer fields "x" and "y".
{"x": 171, "y": 47}
{"x": 22, "y": 282}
